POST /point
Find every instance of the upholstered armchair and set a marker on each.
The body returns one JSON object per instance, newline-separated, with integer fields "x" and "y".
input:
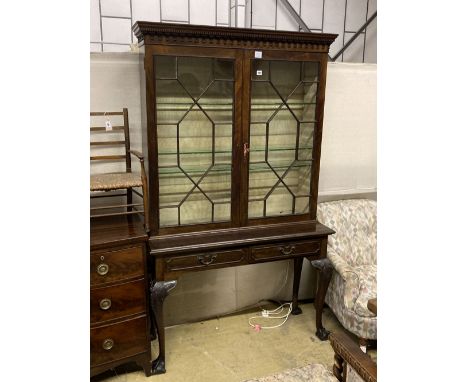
{"x": 352, "y": 253}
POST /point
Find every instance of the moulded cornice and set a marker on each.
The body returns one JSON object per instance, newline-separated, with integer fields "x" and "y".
{"x": 236, "y": 36}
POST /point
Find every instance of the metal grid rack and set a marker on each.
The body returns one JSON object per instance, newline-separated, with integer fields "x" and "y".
{"x": 242, "y": 13}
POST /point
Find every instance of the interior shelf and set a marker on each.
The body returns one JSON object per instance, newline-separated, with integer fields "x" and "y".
{"x": 229, "y": 151}
{"x": 220, "y": 169}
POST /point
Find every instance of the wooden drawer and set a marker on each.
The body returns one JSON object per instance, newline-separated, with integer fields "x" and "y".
{"x": 286, "y": 250}
{"x": 117, "y": 265}
{"x": 113, "y": 342}
{"x": 118, "y": 301}
{"x": 205, "y": 260}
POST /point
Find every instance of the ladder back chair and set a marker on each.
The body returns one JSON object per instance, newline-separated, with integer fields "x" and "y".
{"x": 102, "y": 183}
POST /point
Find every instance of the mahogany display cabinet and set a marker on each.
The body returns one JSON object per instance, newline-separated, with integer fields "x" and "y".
{"x": 232, "y": 129}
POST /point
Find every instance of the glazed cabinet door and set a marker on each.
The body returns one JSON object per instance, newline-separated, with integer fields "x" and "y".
{"x": 283, "y": 112}
{"x": 196, "y": 118}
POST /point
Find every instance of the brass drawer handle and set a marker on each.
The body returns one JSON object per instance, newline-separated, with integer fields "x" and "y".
{"x": 107, "y": 344}
{"x": 287, "y": 250}
{"x": 105, "y": 303}
{"x": 102, "y": 269}
{"x": 206, "y": 259}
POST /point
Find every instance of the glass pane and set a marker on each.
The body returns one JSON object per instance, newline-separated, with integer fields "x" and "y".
{"x": 285, "y": 76}
{"x": 165, "y": 67}
{"x": 195, "y": 74}
{"x": 311, "y": 71}
{"x": 260, "y": 70}
{"x": 194, "y": 117}
{"x": 223, "y": 69}
{"x": 283, "y": 104}
{"x": 196, "y": 209}
{"x": 217, "y": 102}
{"x": 279, "y": 202}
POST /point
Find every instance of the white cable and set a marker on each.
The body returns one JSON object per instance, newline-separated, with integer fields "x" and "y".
{"x": 273, "y": 314}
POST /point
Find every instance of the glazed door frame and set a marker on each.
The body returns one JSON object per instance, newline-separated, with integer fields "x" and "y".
{"x": 281, "y": 55}
{"x": 152, "y": 136}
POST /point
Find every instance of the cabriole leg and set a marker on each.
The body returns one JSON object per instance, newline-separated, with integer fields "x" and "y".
{"x": 159, "y": 292}
{"x": 325, "y": 269}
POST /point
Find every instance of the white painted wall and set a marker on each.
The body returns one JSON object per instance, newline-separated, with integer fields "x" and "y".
{"x": 349, "y": 144}
{"x": 348, "y": 167}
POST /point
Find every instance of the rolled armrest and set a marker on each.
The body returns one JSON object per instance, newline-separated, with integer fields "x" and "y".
{"x": 137, "y": 154}
{"x": 341, "y": 266}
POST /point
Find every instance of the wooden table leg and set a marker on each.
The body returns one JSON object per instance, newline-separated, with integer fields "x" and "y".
{"x": 325, "y": 269}
{"x": 297, "y": 280}
{"x": 159, "y": 292}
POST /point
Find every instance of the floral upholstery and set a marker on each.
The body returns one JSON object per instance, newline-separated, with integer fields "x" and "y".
{"x": 353, "y": 252}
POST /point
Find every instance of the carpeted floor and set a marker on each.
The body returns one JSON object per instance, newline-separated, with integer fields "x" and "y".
{"x": 227, "y": 349}
{"x": 314, "y": 372}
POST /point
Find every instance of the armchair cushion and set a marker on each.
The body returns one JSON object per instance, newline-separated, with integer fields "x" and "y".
{"x": 362, "y": 325}
{"x": 361, "y": 289}
{"x": 353, "y": 253}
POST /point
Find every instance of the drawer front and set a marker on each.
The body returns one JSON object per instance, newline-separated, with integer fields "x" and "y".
{"x": 118, "y": 301}
{"x": 286, "y": 250}
{"x": 205, "y": 260}
{"x": 113, "y": 342}
{"x": 117, "y": 265}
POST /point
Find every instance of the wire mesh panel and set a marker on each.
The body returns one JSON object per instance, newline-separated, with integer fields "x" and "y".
{"x": 282, "y": 123}
{"x": 194, "y": 111}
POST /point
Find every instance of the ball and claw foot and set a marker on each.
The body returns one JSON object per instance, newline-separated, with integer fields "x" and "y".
{"x": 296, "y": 311}
{"x": 158, "y": 366}
{"x": 322, "y": 334}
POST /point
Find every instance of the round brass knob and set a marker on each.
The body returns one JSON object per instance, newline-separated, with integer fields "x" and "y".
{"x": 105, "y": 303}
{"x": 107, "y": 344}
{"x": 102, "y": 269}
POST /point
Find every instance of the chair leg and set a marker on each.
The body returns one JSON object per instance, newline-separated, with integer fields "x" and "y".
{"x": 129, "y": 199}
{"x": 145, "y": 208}
{"x": 338, "y": 368}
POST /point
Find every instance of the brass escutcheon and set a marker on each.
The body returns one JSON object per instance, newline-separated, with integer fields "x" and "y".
{"x": 206, "y": 259}
{"x": 102, "y": 269}
{"x": 287, "y": 250}
{"x": 107, "y": 344}
{"x": 105, "y": 303}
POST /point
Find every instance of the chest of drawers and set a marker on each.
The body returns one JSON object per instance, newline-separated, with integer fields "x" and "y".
{"x": 119, "y": 295}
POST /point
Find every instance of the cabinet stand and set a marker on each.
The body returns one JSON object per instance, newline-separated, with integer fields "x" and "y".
{"x": 232, "y": 134}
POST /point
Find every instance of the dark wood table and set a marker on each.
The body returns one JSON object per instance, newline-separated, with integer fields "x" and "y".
{"x": 372, "y": 305}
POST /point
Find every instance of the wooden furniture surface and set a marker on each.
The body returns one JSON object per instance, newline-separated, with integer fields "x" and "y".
{"x": 347, "y": 352}
{"x": 120, "y": 321}
{"x": 372, "y": 305}
{"x": 232, "y": 129}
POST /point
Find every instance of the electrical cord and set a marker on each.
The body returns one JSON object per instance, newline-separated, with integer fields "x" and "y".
{"x": 272, "y": 314}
